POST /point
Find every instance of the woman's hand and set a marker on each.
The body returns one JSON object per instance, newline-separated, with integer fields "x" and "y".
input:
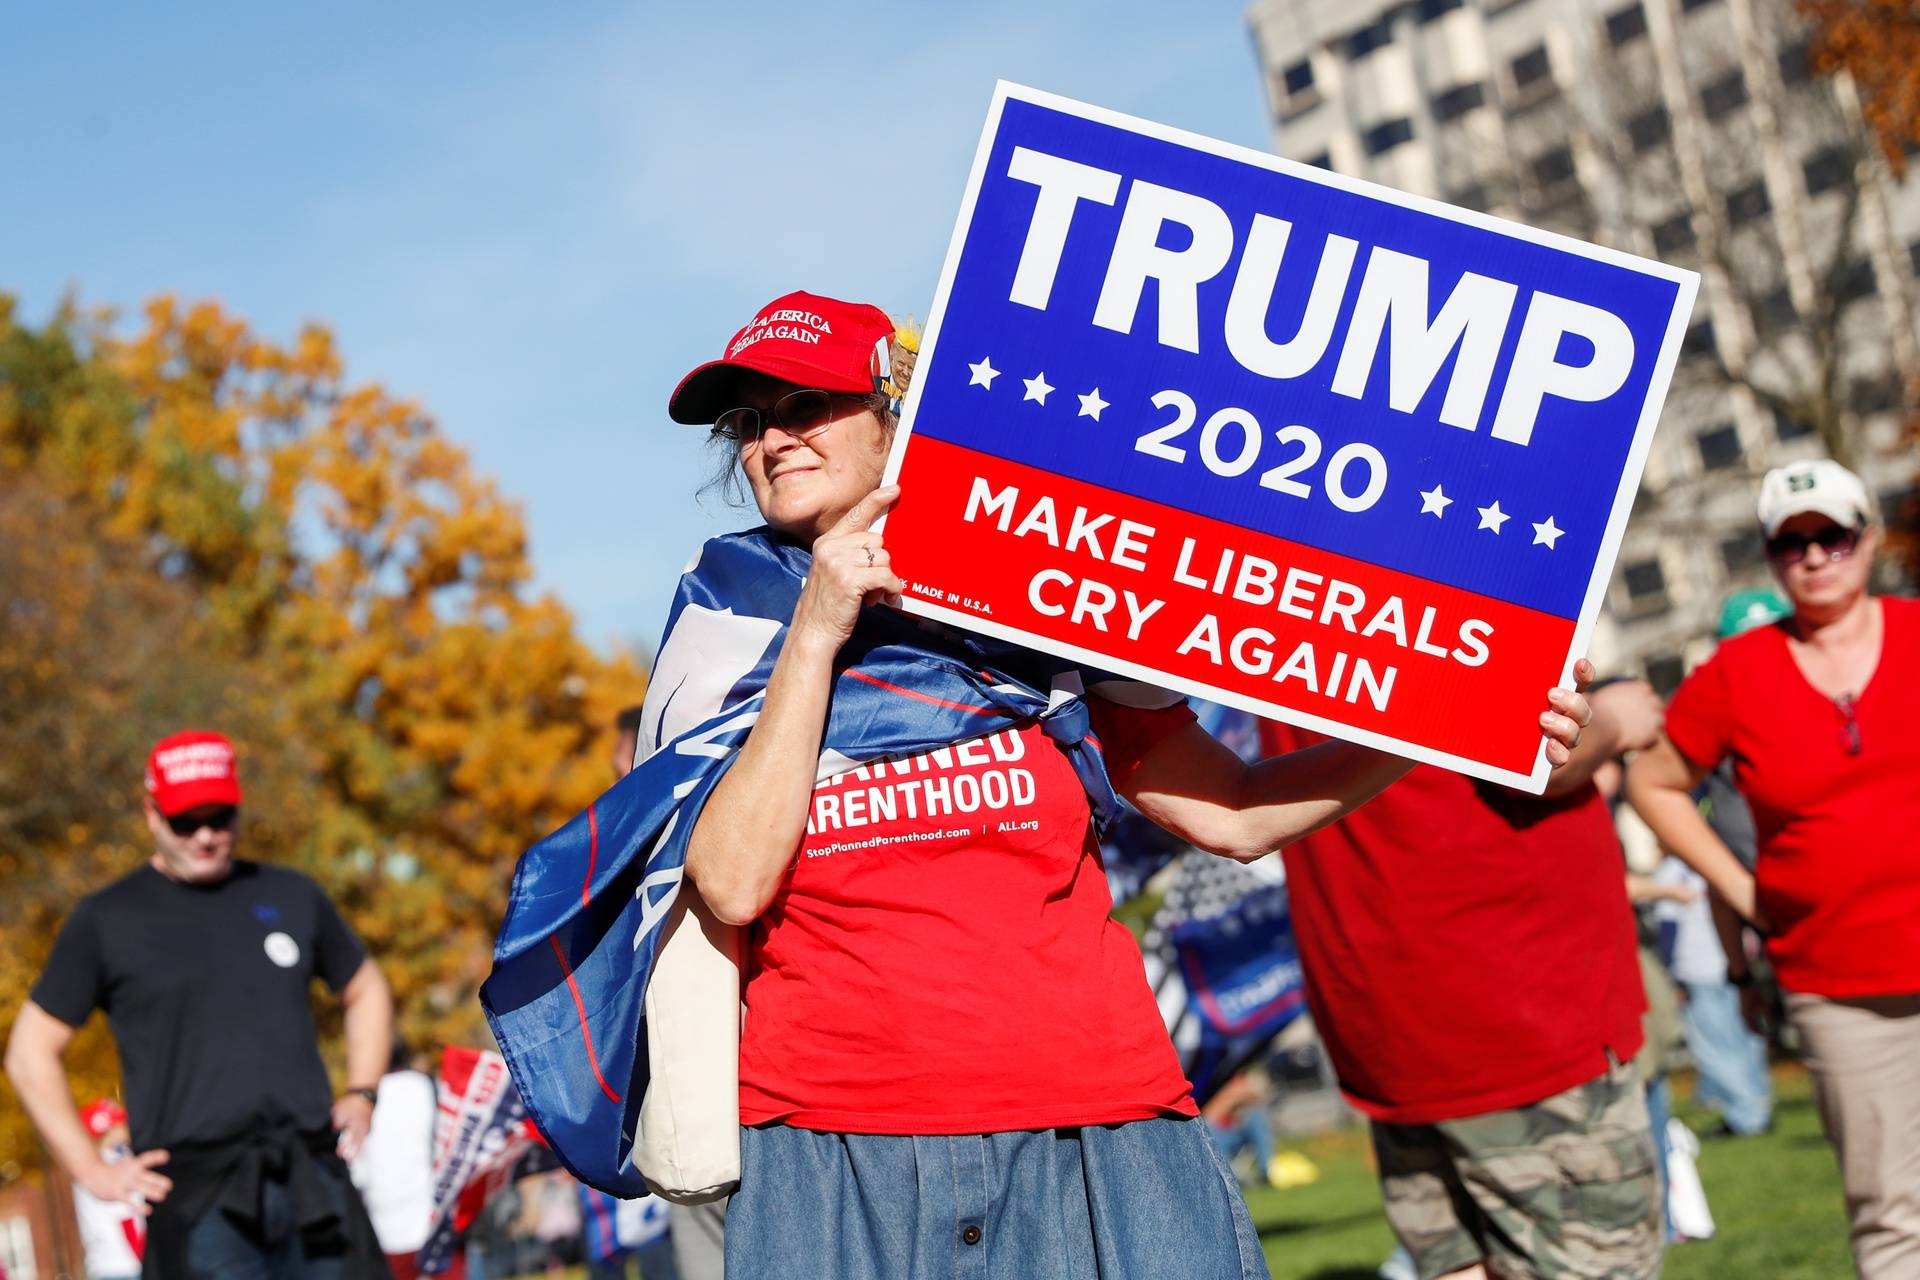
{"x": 851, "y": 569}
{"x": 1571, "y": 713}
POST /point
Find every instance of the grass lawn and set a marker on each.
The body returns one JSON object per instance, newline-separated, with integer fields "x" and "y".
{"x": 1775, "y": 1199}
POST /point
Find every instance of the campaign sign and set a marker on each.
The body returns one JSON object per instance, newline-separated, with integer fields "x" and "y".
{"x": 1309, "y": 447}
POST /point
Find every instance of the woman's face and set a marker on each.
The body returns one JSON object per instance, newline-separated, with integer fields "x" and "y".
{"x": 803, "y": 487}
{"x": 1821, "y": 580}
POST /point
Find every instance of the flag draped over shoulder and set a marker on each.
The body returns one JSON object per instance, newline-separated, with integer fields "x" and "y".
{"x": 583, "y": 918}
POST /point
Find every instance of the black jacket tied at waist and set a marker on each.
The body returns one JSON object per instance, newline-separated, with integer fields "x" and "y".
{"x": 231, "y": 1177}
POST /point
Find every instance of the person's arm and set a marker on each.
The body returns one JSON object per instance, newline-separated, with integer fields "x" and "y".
{"x": 1203, "y": 793}
{"x": 33, "y": 1065}
{"x": 1627, "y": 716}
{"x": 368, "y": 1019}
{"x": 1660, "y": 786}
{"x": 754, "y": 820}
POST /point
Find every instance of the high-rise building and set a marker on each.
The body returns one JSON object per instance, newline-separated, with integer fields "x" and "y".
{"x": 1685, "y": 130}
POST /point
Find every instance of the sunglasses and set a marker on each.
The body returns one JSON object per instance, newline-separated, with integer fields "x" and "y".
{"x": 801, "y": 414}
{"x": 1791, "y": 548}
{"x": 188, "y": 824}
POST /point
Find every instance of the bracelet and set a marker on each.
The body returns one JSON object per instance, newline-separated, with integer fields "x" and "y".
{"x": 367, "y": 1091}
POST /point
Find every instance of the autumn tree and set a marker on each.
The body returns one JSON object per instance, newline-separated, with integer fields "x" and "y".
{"x": 200, "y": 526}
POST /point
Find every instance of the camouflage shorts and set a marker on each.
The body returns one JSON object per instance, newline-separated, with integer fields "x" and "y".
{"x": 1562, "y": 1188}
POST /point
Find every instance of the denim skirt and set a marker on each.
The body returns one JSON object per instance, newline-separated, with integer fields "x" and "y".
{"x": 1146, "y": 1200}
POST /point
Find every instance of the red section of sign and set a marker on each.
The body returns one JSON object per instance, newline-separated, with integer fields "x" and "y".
{"x": 1287, "y": 625}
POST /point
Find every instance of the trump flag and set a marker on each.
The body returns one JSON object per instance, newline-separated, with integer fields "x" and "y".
{"x": 1298, "y": 444}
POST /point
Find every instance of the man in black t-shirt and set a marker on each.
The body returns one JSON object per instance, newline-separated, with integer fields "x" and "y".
{"x": 202, "y": 963}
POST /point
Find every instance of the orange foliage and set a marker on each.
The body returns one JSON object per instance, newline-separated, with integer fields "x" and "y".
{"x": 198, "y": 525}
{"x": 1877, "y": 42}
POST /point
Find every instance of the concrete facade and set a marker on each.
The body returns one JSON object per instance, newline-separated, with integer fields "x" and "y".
{"x": 1684, "y": 130}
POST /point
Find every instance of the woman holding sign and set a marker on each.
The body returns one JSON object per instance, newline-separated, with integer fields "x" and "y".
{"x": 951, "y": 1058}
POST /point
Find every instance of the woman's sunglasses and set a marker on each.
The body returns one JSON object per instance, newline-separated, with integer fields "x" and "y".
{"x": 189, "y": 823}
{"x": 1837, "y": 541}
{"x": 801, "y": 414}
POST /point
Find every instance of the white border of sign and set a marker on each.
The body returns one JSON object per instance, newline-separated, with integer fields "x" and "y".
{"x": 1688, "y": 282}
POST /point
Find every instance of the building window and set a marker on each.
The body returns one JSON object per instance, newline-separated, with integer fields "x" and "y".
{"x": 1874, "y": 395}
{"x": 1794, "y": 67}
{"x": 1664, "y": 673}
{"x": 1785, "y": 428}
{"x": 1855, "y": 281}
{"x": 1473, "y": 197}
{"x": 1724, "y": 94}
{"x": 1428, "y": 10}
{"x": 1322, "y": 161}
{"x": 1368, "y": 38}
{"x": 1719, "y": 447}
{"x": 1699, "y": 339}
{"x": 1459, "y": 100}
{"x": 1826, "y": 169}
{"x": 1646, "y": 585}
{"x": 1649, "y": 129}
{"x": 1748, "y": 203}
{"x": 1624, "y": 26}
{"x": 1688, "y": 6}
{"x": 1742, "y": 553}
{"x": 1913, "y": 256}
{"x": 1675, "y": 235}
{"x": 1776, "y": 311}
{"x": 1298, "y": 78}
{"x": 1532, "y": 72}
{"x": 1553, "y": 170}
{"x": 1383, "y": 138}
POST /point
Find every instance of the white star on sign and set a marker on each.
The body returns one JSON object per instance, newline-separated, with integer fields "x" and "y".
{"x": 1493, "y": 517}
{"x": 1091, "y": 404}
{"x": 1546, "y": 532}
{"x": 1434, "y": 501}
{"x": 1037, "y": 388}
{"x": 983, "y": 374}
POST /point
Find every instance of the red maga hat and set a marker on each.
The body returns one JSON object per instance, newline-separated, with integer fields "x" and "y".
{"x": 801, "y": 338}
{"x": 191, "y": 770}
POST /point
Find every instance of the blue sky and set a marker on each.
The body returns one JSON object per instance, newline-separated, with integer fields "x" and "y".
{"x": 534, "y": 219}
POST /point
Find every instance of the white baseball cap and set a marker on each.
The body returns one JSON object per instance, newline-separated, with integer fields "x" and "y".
{"x": 1822, "y": 485}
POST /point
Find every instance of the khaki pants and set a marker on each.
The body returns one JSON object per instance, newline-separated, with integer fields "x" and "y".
{"x": 1865, "y": 1058}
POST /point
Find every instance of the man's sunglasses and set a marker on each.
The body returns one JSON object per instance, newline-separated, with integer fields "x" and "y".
{"x": 188, "y": 824}
{"x": 1837, "y": 541}
{"x": 801, "y": 414}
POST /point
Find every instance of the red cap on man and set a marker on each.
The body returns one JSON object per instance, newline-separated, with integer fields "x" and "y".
{"x": 801, "y": 338}
{"x": 192, "y": 770}
{"x": 101, "y": 1115}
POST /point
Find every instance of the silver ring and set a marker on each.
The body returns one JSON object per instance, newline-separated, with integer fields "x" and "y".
{"x": 869, "y": 557}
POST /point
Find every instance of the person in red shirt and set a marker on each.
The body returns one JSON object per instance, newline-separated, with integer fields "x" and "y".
{"x": 1817, "y": 712}
{"x": 1469, "y": 960}
{"x": 951, "y": 1058}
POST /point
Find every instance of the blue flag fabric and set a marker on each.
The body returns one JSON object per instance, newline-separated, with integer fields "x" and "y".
{"x": 1243, "y": 977}
{"x": 581, "y": 930}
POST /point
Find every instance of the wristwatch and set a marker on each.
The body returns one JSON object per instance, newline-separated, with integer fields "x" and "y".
{"x": 1744, "y": 978}
{"x": 367, "y": 1091}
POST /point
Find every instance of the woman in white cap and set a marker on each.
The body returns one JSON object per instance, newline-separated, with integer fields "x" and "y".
{"x": 951, "y": 1061}
{"x": 1817, "y": 712}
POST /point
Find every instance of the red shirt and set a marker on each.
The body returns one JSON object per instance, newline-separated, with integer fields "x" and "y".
{"x": 1467, "y": 948}
{"x": 1839, "y": 833}
{"x": 942, "y": 959}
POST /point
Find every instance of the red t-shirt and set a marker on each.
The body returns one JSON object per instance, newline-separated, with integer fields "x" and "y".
{"x": 1839, "y": 833}
{"x": 941, "y": 958}
{"x": 1467, "y": 948}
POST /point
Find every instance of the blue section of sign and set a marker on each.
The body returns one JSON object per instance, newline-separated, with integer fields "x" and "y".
{"x": 1519, "y": 522}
